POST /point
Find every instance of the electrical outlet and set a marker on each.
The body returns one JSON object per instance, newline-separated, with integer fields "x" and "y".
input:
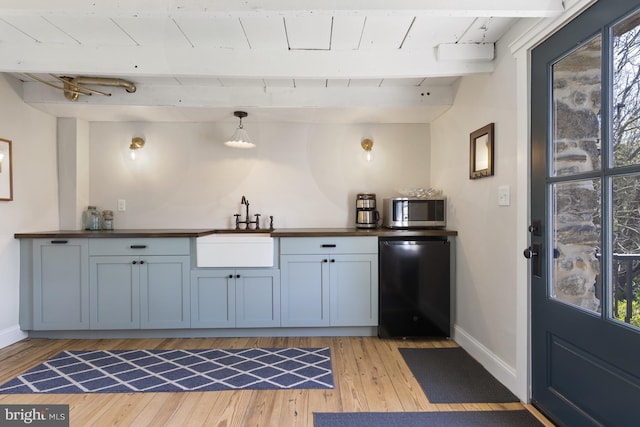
{"x": 122, "y": 205}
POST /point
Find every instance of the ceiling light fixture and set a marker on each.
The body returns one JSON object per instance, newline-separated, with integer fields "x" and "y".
{"x": 136, "y": 144}
{"x": 367, "y": 146}
{"x": 240, "y": 138}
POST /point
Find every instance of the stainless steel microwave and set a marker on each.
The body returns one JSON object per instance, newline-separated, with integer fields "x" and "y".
{"x": 414, "y": 212}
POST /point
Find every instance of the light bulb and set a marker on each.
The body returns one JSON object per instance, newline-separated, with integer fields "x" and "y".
{"x": 368, "y": 156}
{"x": 133, "y": 154}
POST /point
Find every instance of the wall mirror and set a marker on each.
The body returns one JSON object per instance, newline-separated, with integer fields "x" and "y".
{"x": 6, "y": 171}
{"x": 481, "y": 152}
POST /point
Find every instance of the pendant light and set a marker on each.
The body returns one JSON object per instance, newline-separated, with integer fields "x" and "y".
{"x": 240, "y": 138}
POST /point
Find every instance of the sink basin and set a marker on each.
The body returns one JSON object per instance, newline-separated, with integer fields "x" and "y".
{"x": 261, "y": 231}
{"x": 235, "y": 249}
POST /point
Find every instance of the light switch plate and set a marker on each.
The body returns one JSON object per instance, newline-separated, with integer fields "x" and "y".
{"x": 504, "y": 195}
{"x": 122, "y": 205}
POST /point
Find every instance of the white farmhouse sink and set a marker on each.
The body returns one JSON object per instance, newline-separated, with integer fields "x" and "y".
{"x": 235, "y": 250}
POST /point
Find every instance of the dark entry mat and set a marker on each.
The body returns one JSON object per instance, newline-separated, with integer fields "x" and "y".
{"x": 520, "y": 418}
{"x": 450, "y": 375}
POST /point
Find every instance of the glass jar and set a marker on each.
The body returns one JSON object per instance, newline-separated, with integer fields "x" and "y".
{"x": 87, "y": 217}
{"x": 96, "y": 224}
{"x": 107, "y": 220}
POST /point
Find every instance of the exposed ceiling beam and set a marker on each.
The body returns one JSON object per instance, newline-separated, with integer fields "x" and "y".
{"x": 198, "y": 62}
{"x": 460, "y": 8}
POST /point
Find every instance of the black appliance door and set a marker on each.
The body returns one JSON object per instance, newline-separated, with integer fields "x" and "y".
{"x": 415, "y": 291}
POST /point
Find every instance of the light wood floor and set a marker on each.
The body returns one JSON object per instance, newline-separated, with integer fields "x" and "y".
{"x": 369, "y": 375}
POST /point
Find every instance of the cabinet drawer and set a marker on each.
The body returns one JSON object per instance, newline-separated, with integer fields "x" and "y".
{"x": 336, "y": 245}
{"x": 143, "y": 246}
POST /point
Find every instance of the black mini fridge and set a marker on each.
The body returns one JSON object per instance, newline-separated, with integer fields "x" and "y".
{"x": 415, "y": 291}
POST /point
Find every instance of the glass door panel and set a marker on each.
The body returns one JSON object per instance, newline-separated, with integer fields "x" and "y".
{"x": 576, "y": 110}
{"x": 576, "y": 239}
{"x": 625, "y": 289}
{"x": 625, "y": 131}
{"x": 576, "y": 148}
{"x": 626, "y": 92}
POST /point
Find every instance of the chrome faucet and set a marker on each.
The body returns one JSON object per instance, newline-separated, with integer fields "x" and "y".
{"x": 246, "y": 221}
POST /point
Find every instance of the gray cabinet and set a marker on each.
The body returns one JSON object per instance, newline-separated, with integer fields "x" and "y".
{"x": 257, "y": 298}
{"x": 353, "y": 290}
{"x": 329, "y": 281}
{"x": 147, "y": 288}
{"x": 305, "y": 290}
{"x": 60, "y": 284}
{"x": 228, "y": 298}
{"x": 115, "y": 293}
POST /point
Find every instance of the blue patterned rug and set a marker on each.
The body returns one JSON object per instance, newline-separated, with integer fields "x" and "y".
{"x": 124, "y": 371}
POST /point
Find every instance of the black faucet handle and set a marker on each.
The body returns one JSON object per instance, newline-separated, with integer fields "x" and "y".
{"x": 237, "y": 221}
{"x": 257, "y": 221}
{"x": 271, "y": 222}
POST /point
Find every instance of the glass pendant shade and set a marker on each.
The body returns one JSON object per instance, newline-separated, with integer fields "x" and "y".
{"x": 240, "y": 139}
{"x": 367, "y": 147}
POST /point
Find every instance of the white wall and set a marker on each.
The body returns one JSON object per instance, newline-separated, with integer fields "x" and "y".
{"x": 486, "y": 246}
{"x": 305, "y": 175}
{"x": 35, "y": 194}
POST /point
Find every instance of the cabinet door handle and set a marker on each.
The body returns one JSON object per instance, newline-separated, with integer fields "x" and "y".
{"x": 325, "y": 260}
{"x": 134, "y": 262}
{"x": 230, "y": 276}
{"x": 237, "y": 276}
{"x": 141, "y": 262}
{"x": 59, "y": 242}
{"x": 333, "y": 260}
{"x": 329, "y": 245}
{"x": 138, "y": 246}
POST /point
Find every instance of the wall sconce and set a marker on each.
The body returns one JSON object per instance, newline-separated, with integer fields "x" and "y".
{"x": 367, "y": 146}
{"x": 136, "y": 144}
{"x": 240, "y": 138}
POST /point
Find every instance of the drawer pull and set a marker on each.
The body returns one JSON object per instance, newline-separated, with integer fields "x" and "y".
{"x": 329, "y": 245}
{"x": 59, "y": 242}
{"x": 138, "y": 246}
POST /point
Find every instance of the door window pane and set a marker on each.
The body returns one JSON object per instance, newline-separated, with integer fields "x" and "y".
{"x": 576, "y": 110}
{"x": 576, "y": 239}
{"x": 626, "y": 92}
{"x": 625, "y": 269}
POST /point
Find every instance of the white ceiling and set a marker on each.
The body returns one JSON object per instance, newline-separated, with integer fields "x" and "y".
{"x": 280, "y": 60}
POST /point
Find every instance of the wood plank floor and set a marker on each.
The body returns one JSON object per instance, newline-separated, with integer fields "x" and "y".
{"x": 369, "y": 375}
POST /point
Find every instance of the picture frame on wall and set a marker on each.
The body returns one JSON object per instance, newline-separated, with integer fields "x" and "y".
{"x": 6, "y": 171}
{"x": 481, "y": 147}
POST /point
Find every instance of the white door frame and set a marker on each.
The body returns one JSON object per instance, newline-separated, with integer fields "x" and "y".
{"x": 521, "y": 50}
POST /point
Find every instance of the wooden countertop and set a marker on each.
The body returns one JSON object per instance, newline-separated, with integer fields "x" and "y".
{"x": 135, "y": 233}
{"x": 381, "y": 232}
{"x": 278, "y": 232}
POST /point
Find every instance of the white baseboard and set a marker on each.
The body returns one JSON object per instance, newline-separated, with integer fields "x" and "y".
{"x": 11, "y": 335}
{"x": 492, "y": 363}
